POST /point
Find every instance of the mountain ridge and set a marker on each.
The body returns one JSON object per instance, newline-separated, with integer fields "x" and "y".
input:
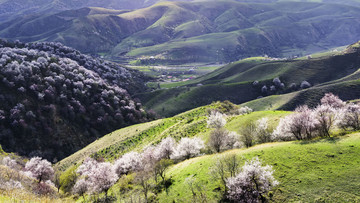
{"x": 186, "y": 32}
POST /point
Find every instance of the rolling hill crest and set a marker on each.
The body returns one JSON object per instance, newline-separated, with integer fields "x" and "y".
{"x": 183, "y": 32}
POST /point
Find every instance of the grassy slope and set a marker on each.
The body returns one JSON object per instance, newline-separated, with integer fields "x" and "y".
{"x": 346, "y": 90}
{"x": 233, "y": 82}
{"x": 137, "y": 137}
{"x": 324, "y": 170}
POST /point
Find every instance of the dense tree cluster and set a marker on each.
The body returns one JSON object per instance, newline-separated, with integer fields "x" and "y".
{"x": 112, "y": 73}
{"x": 97, "y": 177}
{"x": 34, "y": 176}
{"x": 277, "y": 86}
{"x": 49, "y": 91}
{"x": 308, "y": 123}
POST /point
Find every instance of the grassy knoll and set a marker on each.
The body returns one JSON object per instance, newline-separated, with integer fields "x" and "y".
{"x": 322, "y": 171}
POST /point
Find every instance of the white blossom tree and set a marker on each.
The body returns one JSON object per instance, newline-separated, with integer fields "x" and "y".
{"x": 165, "y": 148}
{"x": 188, "y": 148}
{"x": 216, "y": 120}
{"x": 349, "y": 117}
{"x": 98, "y": 177}
{"x": 102, "y": 178}
{"x": 9, "y": 162}
{"x": 40, "y": 169}
{"x": 81, "y": 187}
{"x": 150, "y": 157}
{"x": 262, "y": 130}
{"x": 333, "y": 101}
{"x": 300, "y": 125}
{"x": 129, "y": 162}
{"x": 244, "y": 110}
{"x": 326, "y": 117}
{"x": 283, "y": 131}
{"x": 252, "y": 184}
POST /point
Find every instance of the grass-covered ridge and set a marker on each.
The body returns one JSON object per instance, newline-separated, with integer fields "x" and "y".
{"x": 323, "y": 170}
{"x": 235, "y": 82}
{"x": 195, "y": 31}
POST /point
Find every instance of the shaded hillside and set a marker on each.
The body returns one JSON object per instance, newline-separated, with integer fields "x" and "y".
{"x": 180, "y": 32}
{"x": 235, "y": 82}
{"x": 10, "y": 9}
{"x": 55, "y": 100}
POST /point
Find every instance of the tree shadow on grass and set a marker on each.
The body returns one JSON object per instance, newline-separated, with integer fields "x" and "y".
{"x": 331, "y": 140}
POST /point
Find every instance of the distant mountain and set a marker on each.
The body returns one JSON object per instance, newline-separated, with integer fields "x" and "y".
{"x": 10, "y": 9}
{"x": 204, "y": 31}
{"x": 243, "y": 81}
{"x": 55, "y": 100}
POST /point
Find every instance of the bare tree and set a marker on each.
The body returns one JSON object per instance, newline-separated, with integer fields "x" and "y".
{"x": 197, "y": 189}
{"x": 232, "y": 163}
{"x": 57, "y": 181}
{"x": 218, "y": 139}
{"x": 225, "y": 166}
{"x": 161, "y": 168}
{"x": 143, "y": 179}
{"x": 263, "y": 133}
{"x": 248, "y": 134}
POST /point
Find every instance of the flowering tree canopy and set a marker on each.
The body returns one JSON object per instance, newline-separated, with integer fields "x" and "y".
{"x": 40, "y": 169}
{"x": 252, "y": 184}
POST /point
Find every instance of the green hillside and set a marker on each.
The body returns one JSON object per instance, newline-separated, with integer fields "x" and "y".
{"x": 333, "y": 72}
{"x": 137, "y": 137}
{"x": 200, "y": 31}
{"x": 319, "y": 171}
